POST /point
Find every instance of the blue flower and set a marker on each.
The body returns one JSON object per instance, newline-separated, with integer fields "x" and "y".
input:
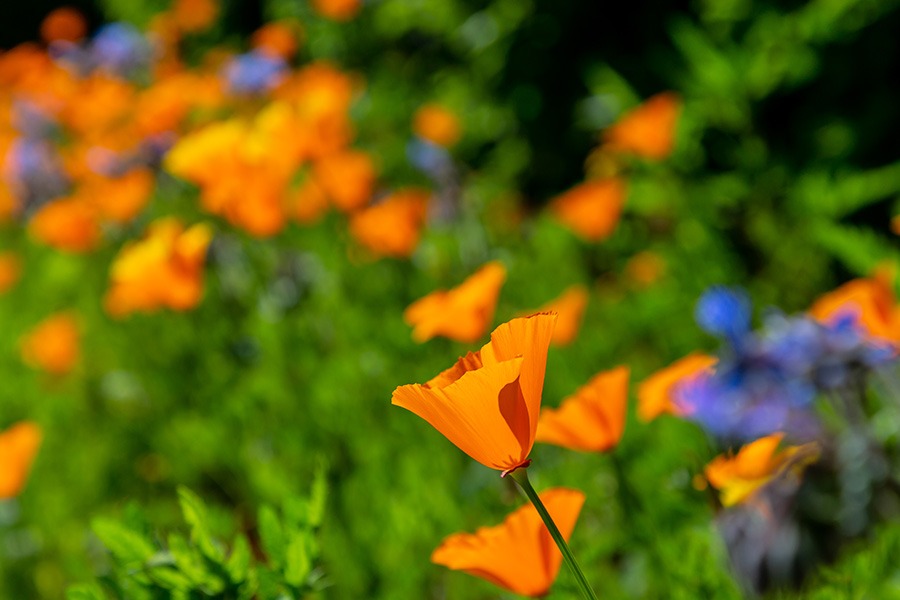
{"x": 724, "y": 312}
{"x": 253, "y": 73}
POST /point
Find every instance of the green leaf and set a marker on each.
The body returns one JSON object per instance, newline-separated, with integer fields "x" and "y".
{"x": 195, "y": 514}
{"x": 272, "y": 536}
{"x": 170, "y": 579}
{"x": 125, "y": 545}
{"x": 188, "y": 559}
{"x": 85, "y": 591}
{"x": 297, "y": 562}
{"x": 317, "y": 498}
{"x": 859, "y": 249}
{"x": 238, "y": 564}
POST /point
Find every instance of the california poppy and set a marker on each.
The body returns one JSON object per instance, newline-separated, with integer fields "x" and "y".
{"x": 163, "y": 270}
{"x": 63, "y": 24}
{"x": 10, "y": 270}
{"x": 462, "y": 313}
{"x": 649, "y": 129}
{"x": 194, "y": 15}
{"x": 18, "y": 447}
{"x": 656, "y": 393}
{"x": 591, "y": 209}
{"x": 392, "y": 227}
{"x": 347, "y": 178}
{"x": 337, "y": 10}
{"x": 756, "y": 464}
{"x": 593, "y": 419}
{"x": 278, "y": 39}
{"x": 488, "y": 403}
{"x": 436, "y": 124}
{"x": 869, "y": 300}
{"x": 69, "y": 224}
{"x": 53, "y": 345}
{"x": 518, "y": 555}
{"x": 570, "y": 306}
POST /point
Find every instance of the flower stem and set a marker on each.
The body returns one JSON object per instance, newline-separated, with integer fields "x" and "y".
{"x": 521, "y": 477}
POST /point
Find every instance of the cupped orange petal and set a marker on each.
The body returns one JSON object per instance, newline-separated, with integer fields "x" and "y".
{"x": 869, "y": 300}
{"x": 656, "y": 393}
{"x": 518, "y": 555}
{"x": 591, "y": 209}
{"x": 591, "y": 420}
{"x": 18, "y": 447}
{"x": 53, "y": 345}
{"x": 392, "y": 227}
{"x": 649, "y": 129}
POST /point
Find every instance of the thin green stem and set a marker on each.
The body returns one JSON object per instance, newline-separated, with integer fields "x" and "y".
{"x": 520, "y": 476}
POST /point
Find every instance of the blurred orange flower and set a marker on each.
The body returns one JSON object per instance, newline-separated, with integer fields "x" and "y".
{"x": 163, "y": 270}
{"x": 194, "y": 15}
{"x": 10, "y": 271}
{"x": 756, "y": 464}
{"x": 591, "y": 420}
{"x": 645, "y": 268}
{"x": 279, "y": 39}
{"x": 392, "y": 227}
{"x": 519, "y": 555}
{"x": 655, "y": 394}
{"x": 337, "y": 10}
{"x": 570, "y": 307}
{"x": 436, "y": 124}
{"x": 872, "y": 302}
{"x": 462, "y": 313}
{"x": 53, "y": 345}
{"x": 307, "y": 203}
{"x": 63, "y": 24}
{"x": 347, "y": 178}
{"x": 18, "y": 447}
{"x": 591, "y": 209}
{"x": 119, "y": 199}
{"x": 488, "y": 403}
{"x": 68, "y": 224}
{"x": 649, "y": 129}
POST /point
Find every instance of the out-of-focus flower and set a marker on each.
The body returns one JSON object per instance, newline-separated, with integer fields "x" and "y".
{"x": 591, "y": 420}
{"x": 98, "y": 112}
{"x": 645, "y": 268}
{"x": 163, "y": 270}
{"x": 53, "y": 345}
{"x": 10, "y": 271}
{"x": 19, "y": 445}
{"x": 120, "y": 49}
{"x": 347, "y": 178}
{"x": 255, "y": 72}
{"x": 64, "y": 24}
{"x": 519, "y": 555}
{"x": 570, "y": 307}
{"x": 307, "y": 203}
{"x": 724, "y": 312}
{"x": 591, "y": 209}
{"x": 194, "y": 15}
{"x": 68, "y": 224}
{"x": 337, "y": 10}
{"x": 34, "y": 171}
{"x": 436, "y": 124}
{"x": 119, "y": 199}
{"x": 489, "y": 402}
{"x": 462, "y": 313}
{"x": 648, "y": 130}
{"x": 657, "y": 394}
{"x": 755, "y": 465}
{"x": 392, "y": 227}
{"x": 869, "y": 302}
{"x": 279, "y": 39}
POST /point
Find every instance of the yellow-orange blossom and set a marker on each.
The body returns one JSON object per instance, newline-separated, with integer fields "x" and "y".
{"x": 488, "y": 403}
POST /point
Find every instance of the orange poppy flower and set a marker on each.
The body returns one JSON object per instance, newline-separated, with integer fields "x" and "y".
{"x": 392, "y": 227}
{"x": 347, "y": 178}
{"x": 53, "y": 345}
{"x": 307, "y": 203}
{"x": 194, "y": 15}
{"x": 69, "y": 224}
{"x": 593, "y": 419}
{"x": 649, "y": 129}
{"x": 591, "y": 209}
{"x": 488, "y": 403}
{"x": 18, "y": 447}
{"x": 337, "y": 10}
{"x": 462, "y": 313}
{"x": 436, "y": 124}
{"x": 655, "y": 394}
{"x": 119, "y": 199}
{"x": 163, "y": 270}
{"x": 519, "y": 555}
{"x": 278, "y": 39}
{"x": 570, "y": 307}
{"x": 63, "y": 24}
{"x": 10, "y": 270}
{"x": 870, "y": 300}
{"x": 756, "y": 464}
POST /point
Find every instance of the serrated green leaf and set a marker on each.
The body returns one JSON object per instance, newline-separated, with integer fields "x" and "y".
{"x": 85, "y": 591}
{"x": 297, "y": 561}
{"x": 170, "y": 579}
{"x": 195, "y": 515}
{"x": 188, "y": 559}
{"x": 272, "y": 536}
{"x": 125, "y": 545}
{"x": 238, "y": 564}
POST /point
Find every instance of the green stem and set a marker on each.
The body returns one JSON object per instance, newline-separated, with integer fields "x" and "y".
{"x": 520, "y": 476}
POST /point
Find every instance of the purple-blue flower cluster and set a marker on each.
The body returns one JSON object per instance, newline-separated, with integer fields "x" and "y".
{"x": 766, "y": 380}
